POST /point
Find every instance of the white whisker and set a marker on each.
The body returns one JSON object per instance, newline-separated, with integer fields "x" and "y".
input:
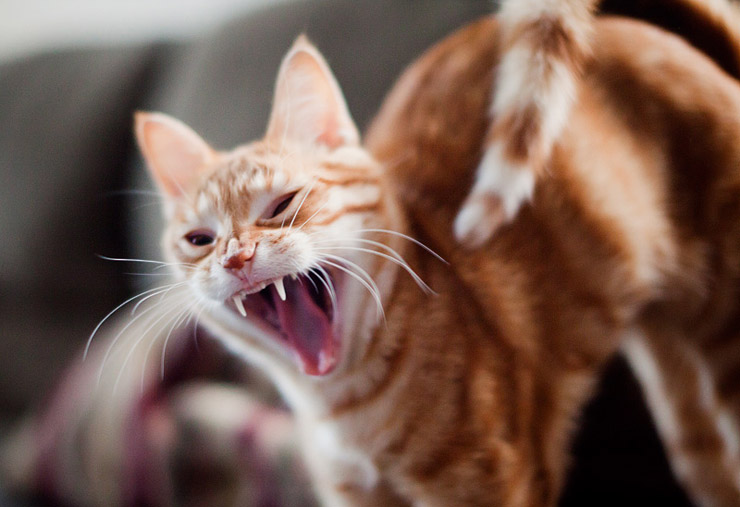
{"x": 324, "y": 278}
{"x": 133, "y": 298}
{"x": 172, "y": 286}
{"x": 409, "y": 238}
{"x": 184, "y": 313}
{"x": 336, "y": 242}
{"x": 186, "y": 267}
{"x": 370, "y": 286}
{"x": 311, "y": 217}
{"x": 120, "y": 333}
{"x": 195, "y": 325}
{"x": 313, "y": 182}
{"x": 187, "y": 312}
{"x": 360, "y": 270}
{"x": 315, "y": 287}
{"x": 147, "y": 261}
{"x": 172, "y": 311}
{"x": 400, "y": 262}
{"x": 131, "y": 273}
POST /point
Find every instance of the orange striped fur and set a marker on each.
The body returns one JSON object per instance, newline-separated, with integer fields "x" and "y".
{"x": 544, "y": 46}
{"x": 470, "y": 395}
{"x": 604, "y": 248}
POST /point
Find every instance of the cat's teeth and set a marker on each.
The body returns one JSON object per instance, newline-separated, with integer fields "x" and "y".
{"x": 239, "y": 305}
{"x": 293, "y": 276}
{"x": 280, "y": 288}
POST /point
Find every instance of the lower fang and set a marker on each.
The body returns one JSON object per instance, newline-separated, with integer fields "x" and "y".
{"x": 239, "y": 305}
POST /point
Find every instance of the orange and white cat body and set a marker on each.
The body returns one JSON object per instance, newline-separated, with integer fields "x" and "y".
{"x": 421, "y": 382}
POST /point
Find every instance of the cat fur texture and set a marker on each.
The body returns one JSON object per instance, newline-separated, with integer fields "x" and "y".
{"x": 421, "y": 382}
{"x": 544, "y": 46}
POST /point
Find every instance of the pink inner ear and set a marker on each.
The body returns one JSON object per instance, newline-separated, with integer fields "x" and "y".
{"x": 331, "y": 135}
{"x": 174, "y": 153}
{"x": 309, "y": 107}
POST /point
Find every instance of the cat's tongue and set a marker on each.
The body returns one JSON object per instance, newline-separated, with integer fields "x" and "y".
{"x": 308, "y": 329}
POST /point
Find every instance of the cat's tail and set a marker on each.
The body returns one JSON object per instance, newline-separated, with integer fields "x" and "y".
{"x": 544, "y": 46}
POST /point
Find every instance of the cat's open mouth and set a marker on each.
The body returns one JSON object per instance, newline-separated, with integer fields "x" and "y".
{"x": 300, "y": 311}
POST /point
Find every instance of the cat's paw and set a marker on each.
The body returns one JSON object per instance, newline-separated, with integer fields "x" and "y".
{"x": 499, "y": 191}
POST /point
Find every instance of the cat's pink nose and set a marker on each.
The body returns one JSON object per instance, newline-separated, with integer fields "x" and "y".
{"x": 237, "y": 261}
{"x": 238, "y": 254}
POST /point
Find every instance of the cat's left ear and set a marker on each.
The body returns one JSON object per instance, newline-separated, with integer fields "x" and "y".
{"x": 175, "y": 154}
{"x": 309, "y": 107}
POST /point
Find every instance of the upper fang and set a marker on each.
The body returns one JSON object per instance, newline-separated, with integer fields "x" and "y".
{"x": 280, "y": 288}
{"x": 239, "y": 305}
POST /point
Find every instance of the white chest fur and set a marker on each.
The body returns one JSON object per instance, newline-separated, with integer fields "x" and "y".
{"x": 335, "y": 463}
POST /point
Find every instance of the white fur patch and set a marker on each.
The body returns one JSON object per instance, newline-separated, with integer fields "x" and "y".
{"x": 726, "y": 425}
{"x": 648, "y": 373}
{"x": 653, "y": 384}
{"x": 518, "y": 11}
{"x": 527, "y": 79}
{"x": 574, "y": 15}
{"x": 347, "y": 465}
{"x": 512, "y": 183}
{"x": 727, "y": 428}
{"x": 496, "y": 178}
{"x": 472, "y": 224}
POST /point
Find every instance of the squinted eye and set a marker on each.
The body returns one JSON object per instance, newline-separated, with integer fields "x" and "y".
{"x": 282, "y": 204}
{"x": 200, "y": 237}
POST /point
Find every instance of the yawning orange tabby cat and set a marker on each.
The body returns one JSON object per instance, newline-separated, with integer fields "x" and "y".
{"x": 418, "y": 381}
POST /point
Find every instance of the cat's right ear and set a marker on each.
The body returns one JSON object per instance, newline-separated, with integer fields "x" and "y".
{"x": 174, "y": 153}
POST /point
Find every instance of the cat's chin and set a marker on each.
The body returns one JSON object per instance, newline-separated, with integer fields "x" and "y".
{"x": 299, "y": 316}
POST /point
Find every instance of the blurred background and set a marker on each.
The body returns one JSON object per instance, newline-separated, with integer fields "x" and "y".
{"x": 32, "y": 26}
{"x": 72, "y": 72}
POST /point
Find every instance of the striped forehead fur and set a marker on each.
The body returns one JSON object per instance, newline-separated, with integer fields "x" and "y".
{"x": 247, "y": 174}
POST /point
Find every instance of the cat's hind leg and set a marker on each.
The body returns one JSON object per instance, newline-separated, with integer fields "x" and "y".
{"x": 544, "y": 45}
{"x": 697, "y": 423}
